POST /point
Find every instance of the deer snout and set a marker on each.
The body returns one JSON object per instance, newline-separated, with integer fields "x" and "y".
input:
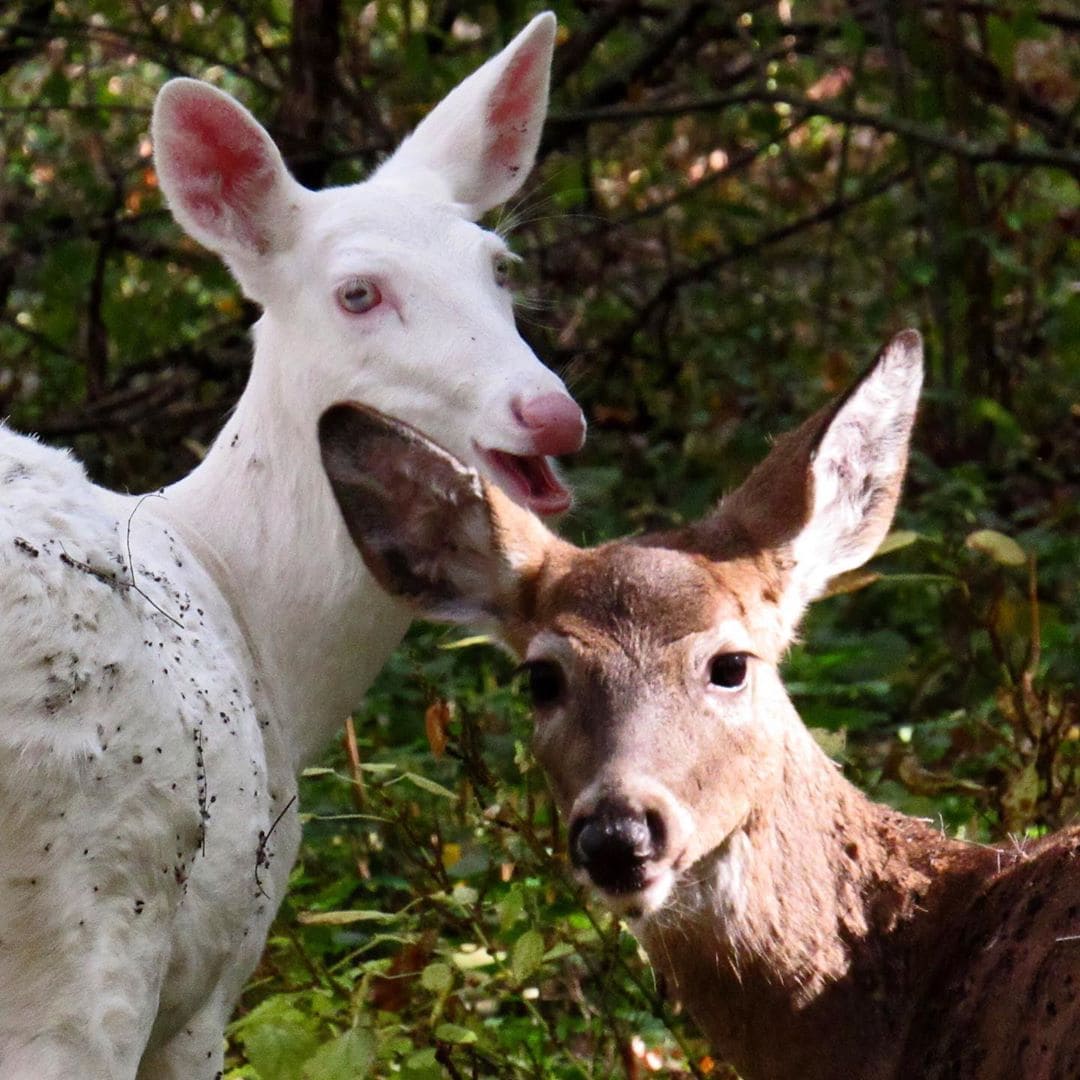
{"x": 554, "y": 421}
{"x": 619, "y": 845}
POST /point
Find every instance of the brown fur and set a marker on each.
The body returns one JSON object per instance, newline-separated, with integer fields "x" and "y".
{"x": 812, "y": 934}
{"x": 870, "y": 946}
{"x": 874, "y": 948}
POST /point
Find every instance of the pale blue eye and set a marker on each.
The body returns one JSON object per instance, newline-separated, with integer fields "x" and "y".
{"x": 357, "y": 296}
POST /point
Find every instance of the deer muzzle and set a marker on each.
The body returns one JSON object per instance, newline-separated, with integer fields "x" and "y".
{"x": 616, "y": 844}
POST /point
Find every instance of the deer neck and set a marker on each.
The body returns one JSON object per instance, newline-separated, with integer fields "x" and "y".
{"x": 800, "y": 943}
{"x": 259, "y": 513}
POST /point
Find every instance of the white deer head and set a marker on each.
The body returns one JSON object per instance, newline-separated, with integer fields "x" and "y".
{"x": 387, "y": 291}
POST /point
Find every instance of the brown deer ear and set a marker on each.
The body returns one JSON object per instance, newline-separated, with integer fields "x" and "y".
{"x": 825, "y": 496}
{"x": 429, "y": 528}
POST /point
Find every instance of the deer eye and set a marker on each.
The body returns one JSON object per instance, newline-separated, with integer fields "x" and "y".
{"x": 504, "y": 271}
{"x": 545, "y": 682}
{"x": 358, "y": 295}
{"x": 728, "y": 670}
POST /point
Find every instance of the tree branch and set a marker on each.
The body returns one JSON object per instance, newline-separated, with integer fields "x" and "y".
{"x": 704, "y": 269}
{"x": 977, "y": 153}
{"x": 304, "y": 116}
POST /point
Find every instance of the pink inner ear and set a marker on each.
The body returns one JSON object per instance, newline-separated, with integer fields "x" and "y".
{"x": 221, "y": 166}
{"x": 512, "y": 105}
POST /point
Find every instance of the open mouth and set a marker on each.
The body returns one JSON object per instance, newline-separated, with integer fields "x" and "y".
{"x": 529, "y": 480}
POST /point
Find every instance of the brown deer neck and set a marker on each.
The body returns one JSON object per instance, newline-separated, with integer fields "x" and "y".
{"x": 799, "y": 946}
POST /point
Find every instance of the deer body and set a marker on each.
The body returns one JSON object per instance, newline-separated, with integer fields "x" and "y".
{"x": 838, "y": 938}
{"x": 812, "y": 934}
{"x": 140, "y": 766}
{"x": 171, "y": 661}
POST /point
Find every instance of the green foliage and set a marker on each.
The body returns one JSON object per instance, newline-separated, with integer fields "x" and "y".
{"x": 432, "y": 911}
{"x": 705, "y": 274}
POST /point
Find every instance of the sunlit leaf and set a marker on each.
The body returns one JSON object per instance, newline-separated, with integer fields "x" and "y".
{"x": 850, "y": 581}
{"x": 469, "y": 959}
{"x": 832, "y": 742}
{"x": 527, "y": 955}
{"x": 1001, "y": 548}
{"x": 343, "y": 918}
{"x": 454, "y": 1033}
{"x": 437, "y": 978}
{"x": 896, "y": 540}
{"x": 466, "y": 642}
{"x": 430, "y": 786}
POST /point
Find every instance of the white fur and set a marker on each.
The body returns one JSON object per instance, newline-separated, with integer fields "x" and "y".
{"x": 168, "y": 664}
{"x": 857, "y": 468}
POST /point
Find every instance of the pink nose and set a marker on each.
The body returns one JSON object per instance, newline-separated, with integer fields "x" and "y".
{"x": 555, "y": 422}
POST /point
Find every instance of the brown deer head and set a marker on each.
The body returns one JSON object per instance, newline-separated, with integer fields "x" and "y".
{"x": 661, "y": 720}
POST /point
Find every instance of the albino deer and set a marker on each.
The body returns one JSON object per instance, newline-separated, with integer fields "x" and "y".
{"x": 811, "y": 933}
{"x": 168, "y": 664}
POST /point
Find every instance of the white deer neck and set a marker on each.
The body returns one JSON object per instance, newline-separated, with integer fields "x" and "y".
{"x": 259, "y": 512}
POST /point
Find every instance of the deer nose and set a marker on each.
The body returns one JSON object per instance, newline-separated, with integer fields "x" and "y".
{"x": 615, "y": 843}
{"x": 554, "y": 421}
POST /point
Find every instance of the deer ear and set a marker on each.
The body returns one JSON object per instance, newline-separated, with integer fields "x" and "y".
{"x": 222, "y": 174}
{"x": 477, "y": 146}
{"x": 825, "y": 496}
{"x": 430, "y": 530}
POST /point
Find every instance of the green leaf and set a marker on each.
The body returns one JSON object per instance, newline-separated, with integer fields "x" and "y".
{"x": 834, "y": 743}
{"x": 528, "y": 954}
{"x": 422, "y": 1065}
{"x": 1001, "y": 548}
{"x": 511, "y": 908}
{"x": 468, "y": 959}
{"x": 993, "y": 412}
{"x": 897, "y": 539}
{"x": 852, "y": 34}
{"x": 1001, "y": 39}
{"x": 560, "y": 951}
{"x": 454, "y": 1033}
{"x": 431, "y": 786}
{"x": 1021, "y": 797}
{"x": 850, "y": 581}
{"x": 466, "y": 642}
{"x": 438, "y": 978}
{"x": 348, "y": 1057}
{"x": 342, "y": 918}
{"x": 279, "y": 1047}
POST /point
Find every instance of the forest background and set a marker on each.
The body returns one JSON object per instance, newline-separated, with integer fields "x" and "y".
{"x": 735, "y": 204}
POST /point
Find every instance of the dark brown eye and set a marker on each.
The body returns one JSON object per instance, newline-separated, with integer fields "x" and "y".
{"x": 728, "y": 670}
{"x": 545, "y": 682}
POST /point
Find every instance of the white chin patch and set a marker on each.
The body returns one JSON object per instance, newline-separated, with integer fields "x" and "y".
{"x": 730, "y": 886}
{"x": 644, "y": 902}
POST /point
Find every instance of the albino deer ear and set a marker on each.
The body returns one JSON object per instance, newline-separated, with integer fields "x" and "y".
{"x": 477, "y": 146}
{"x": 222, "y": 174}
{"x": 428, "y": 527}
{"x": 825, "y": 496}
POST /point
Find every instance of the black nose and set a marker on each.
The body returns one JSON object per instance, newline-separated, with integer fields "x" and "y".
{"x": 615, "y": 843}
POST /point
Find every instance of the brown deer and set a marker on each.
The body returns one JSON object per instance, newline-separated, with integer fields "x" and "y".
{"x": 811, "y": 933}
